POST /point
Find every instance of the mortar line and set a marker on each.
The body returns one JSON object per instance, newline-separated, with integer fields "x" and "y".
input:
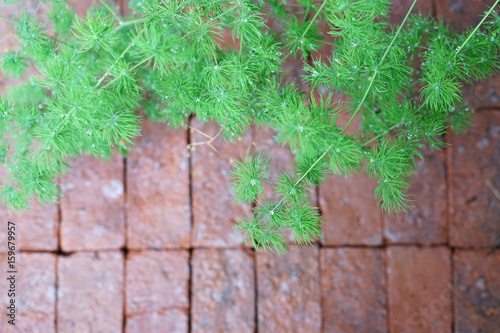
{"x": 253, "y": 134}
{"x": 191, "y": 222}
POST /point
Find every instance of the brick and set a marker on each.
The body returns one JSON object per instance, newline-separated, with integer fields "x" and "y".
{"x": 476, "y": 291}
{"x": 467, "y": 14}
{"x": 158, "y": 213}
{"x": 288, "y": 287}
{"x": 223, "y": 291}
{"x": 213, "y": 214}
{"x": 172, "y": 321}
{"x": 36, "y": 229}
{"x": 426, "y": 223}
{"x": 35, "y": 293}
{"x": 462, "y": 14}
{"x": 474, "y": 175}
{"x": 157, "y": 282}
{"x": 419, "y": 289}
{"x": 92, "y": 206}
{"x": 353, "y": 289}
{"x": 280, "y": 161}
{"x": 400, "y": 8}
{"x": 348, "y": 205}
{"x": 90, "y": 293}
{"x": 350, "y": 211}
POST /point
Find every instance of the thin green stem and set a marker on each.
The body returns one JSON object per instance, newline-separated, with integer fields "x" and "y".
{"x": 222, "y": 14}
{"x": 241, "y": 45}
{"x": 124, "y": 24}
{"x": 110, "y": 10}
{"x": 379, "y": 63}
{"x": 142, "y": 62}
{"x": 362, "y": 100}
{"x": 314, "y": 18}
{"x": 114, "y": 63}
{"x": 476, "y": 28}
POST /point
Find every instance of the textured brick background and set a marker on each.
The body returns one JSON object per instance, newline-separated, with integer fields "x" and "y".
{"x": 146, "y": 244}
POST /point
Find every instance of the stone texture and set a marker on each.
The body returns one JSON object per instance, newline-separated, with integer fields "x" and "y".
{"x": 156, "y": 282}
{"x": 158, "y": 214}
{"x": 36, "y": 229}
{"x": 213, "y": 214}
{"x": 353, "y": 289}
{"x": 400, "y": 8}
{"x": 419, "y": 289}
{"x": 222, "y": 296}
{"x": 350, "y": 211}
{"x": 92, "y": 206}
{"x": 90, "y": 293}
{"x": 35, "y": 293}
{"x": 172, "y": 321}
{"x": 477, "y": 291}
{"x": 426, "y": 223}
{"x": 474, "y": 175}
{"x": 465, "y": 14}
{"x": 289, "y": 291}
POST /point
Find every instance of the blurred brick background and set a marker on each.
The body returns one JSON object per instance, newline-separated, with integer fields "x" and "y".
{"x": 145, "y": 244}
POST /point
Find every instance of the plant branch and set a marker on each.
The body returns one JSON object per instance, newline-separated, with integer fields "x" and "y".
{"x": 314, "y": 18}
{"x": 476, "y": 28}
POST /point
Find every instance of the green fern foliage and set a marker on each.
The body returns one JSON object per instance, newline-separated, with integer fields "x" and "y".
{"x": 170, "y": 60}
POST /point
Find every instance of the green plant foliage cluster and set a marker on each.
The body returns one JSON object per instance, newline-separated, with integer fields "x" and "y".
{"x": 168, "y": 59}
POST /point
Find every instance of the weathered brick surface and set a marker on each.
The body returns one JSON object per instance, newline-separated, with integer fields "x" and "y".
{"x": 35, "y": 293}
{"x": 350, "y": 211}
{"x": 156, "y": 282}
{"x": 222, "y": 296}
{"x": 476, "y": 291}
{"x": 90, "y": 292}
{"x": 213, "y": 214}
{"x": 92, "y": 206}
{"x": 172, "y": 321}
{"x": 158, "y": 214}
{"x": 400, "y": 8}
{"x": 474, "y": 176}
{"x": 36, "y": 229}
{"x": 353, "y": 289}
{"x": 288, "y": 287}
{"x": 426, "y": 223}
{"x": 419, "y": 282}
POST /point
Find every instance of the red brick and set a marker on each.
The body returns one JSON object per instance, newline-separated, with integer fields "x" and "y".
{"x": 172, "y": 321}
{"x": 288, "y": 289}
{"x": 419, "y": 289}
{"x": 400, "y": 8}
{"x": 467, "y": 14}
{"x": 462, "y": 14}
{"x": 426, "y": 223}
{"x": 81, "y": 7}
{"x": 213, "y": 214}
{"x": 350, "y": 211}
{"x": 35, "y": 293}
{"x": 158, "y": 214}
{"x": 223, "y": 291}
{"x": 92, "y": 206}
{"x": 476, "y": 291}
{"x": 281, "y": 160}
{"x": 90, "y": 292}
{"x": 36, "y": 229}
{"x": 353, "y": 289}
{"x": 474, "y": 161}
{"x": 156, "y": 282}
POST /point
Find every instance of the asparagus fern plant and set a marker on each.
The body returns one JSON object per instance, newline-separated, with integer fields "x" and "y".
{"x": 168, "y": 60}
